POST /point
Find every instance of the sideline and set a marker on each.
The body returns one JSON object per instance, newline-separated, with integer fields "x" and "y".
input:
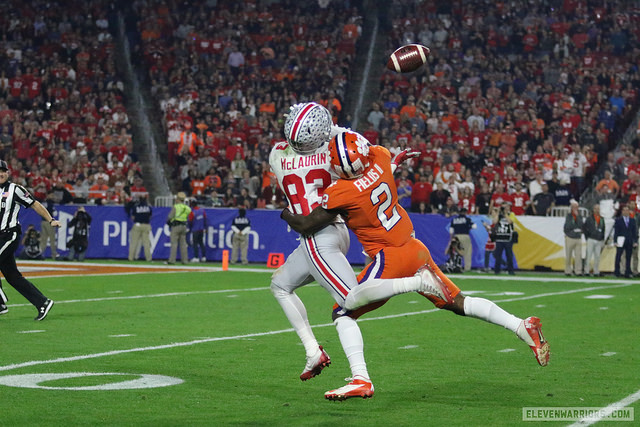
{"x": 261, "y": 334}
{"x": 73, "y": 268}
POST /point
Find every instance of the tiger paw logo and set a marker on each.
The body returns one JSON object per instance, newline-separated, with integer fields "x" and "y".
{"x": 363, "y": 145}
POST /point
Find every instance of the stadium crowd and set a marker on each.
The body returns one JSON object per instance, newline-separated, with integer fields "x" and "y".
{"x": 517, "y": 104}
{"x": 225, "y": 75}
{"x": 63, "y": 125}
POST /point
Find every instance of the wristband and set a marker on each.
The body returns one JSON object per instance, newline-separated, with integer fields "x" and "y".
{"x": 52, "y": 219}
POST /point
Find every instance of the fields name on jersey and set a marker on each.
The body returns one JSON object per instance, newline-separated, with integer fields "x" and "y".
{"x": 297, "y": 162}
{"x": 370, "y": 177}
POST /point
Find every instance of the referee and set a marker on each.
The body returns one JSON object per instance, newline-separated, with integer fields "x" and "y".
{"x": 12, "y": 198}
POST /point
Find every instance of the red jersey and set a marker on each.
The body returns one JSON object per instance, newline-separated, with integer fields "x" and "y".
{"x": 371, "y": 205}
{"x": 520, "y": 201}
{"x": 500, "y": 198}
{"x": 478, "y": 141}
{"x": 467, "y": 203}
{"x": 15, "y": 85}
{"x": 420, "y": 192}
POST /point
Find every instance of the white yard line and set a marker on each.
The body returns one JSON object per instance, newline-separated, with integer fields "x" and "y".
{"x": 618, "y": 284}
{"x": 608, "y": 410}
{"x": 168, "y": 294}
{"x": 257, "y": 334}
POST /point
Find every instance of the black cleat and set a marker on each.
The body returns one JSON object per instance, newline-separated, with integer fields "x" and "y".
{"x": 44, "y": 310}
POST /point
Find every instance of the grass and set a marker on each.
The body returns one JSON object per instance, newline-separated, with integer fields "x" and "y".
{"x": 225, "y": 336}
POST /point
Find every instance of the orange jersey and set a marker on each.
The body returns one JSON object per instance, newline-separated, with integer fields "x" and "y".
{"x": 371, "y": 205}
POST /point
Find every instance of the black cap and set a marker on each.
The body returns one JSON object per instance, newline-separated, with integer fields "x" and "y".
{"x": 3, "y": 165}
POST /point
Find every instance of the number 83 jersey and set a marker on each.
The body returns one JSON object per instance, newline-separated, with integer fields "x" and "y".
{"x": 370, "y": 205}
{"x": 302, "y": 178}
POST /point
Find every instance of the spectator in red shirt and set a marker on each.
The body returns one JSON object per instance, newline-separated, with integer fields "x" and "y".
{"x": 530, "y": 40}
{"x": 421, "y": 192}
{"x": 16, "y": 84}
{"x": 371, "y": 134}
{"x": 499, "y": 196}
{"x": 137, "y": 188}
{"x": 22, "y": 144}
{"x": 520, "y": 200}
{"x": 467, "y": 200}
{"x": 628, "y": 184}
{"x": 64, "y": 130}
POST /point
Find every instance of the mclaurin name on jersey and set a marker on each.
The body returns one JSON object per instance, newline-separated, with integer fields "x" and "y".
{"x": 304, "y": 162}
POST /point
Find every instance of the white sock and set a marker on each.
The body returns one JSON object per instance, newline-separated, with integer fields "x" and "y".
{"x": 380, "y": 289}
{"x": 489, "y": 311}
{"x": 296, "y": 312}
{"x": 353, "y": 346}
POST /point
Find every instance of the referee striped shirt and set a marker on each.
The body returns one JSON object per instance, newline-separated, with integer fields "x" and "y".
{"x": 12, "y": 197}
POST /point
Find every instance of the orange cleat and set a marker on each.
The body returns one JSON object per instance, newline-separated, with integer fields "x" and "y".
{"x": 355, "y": 388}
{"x": 315, "y": 364}
{"x": 530, "y": 331}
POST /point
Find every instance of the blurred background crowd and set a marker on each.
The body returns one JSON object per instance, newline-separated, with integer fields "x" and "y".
{"x": 528, "y": 105}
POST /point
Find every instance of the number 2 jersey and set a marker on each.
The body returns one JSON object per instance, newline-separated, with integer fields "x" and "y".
{"x": 302, "y": 178}
{"x": 370, "y": 204}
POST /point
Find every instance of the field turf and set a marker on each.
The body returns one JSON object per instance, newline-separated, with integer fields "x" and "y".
{"x": 225, "y": 339}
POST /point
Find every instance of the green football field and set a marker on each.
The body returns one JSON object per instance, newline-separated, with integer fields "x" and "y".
{"x": 214, "y": 348}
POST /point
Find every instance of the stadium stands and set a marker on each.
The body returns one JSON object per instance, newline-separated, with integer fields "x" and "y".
{"x": 510, "y": 94}
{"x": 224, "y": 76}
{"x": 62, "y": 115}
{"x": 537, "y": 89}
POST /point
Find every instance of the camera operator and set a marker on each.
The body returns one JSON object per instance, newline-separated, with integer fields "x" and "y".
{"x": 31, "y": 244}
{"x": 80, "y": 240}
{"x": 505, "y": 237}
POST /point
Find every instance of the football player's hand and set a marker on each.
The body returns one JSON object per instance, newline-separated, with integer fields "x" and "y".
{"x": 285, "y": 213}
{"x": 403, "y": 156}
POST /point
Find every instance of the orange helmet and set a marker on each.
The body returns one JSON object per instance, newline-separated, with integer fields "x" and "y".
{"x": 349, "y": 153}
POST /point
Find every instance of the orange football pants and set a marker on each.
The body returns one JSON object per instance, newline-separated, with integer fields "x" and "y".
{"x": 403, "y": 261}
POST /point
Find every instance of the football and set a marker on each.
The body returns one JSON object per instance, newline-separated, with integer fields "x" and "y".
{"x": 408, "y": 58}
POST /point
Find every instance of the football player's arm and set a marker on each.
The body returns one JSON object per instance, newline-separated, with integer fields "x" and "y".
{"x": 401, "y": 157}
{"x": 309, "y": 224}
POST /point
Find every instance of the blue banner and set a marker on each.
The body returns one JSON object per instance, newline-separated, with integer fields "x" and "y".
{"x": 109, "y": 234}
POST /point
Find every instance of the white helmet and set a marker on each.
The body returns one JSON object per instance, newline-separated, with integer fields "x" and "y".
{"x": 307, "y": 127}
